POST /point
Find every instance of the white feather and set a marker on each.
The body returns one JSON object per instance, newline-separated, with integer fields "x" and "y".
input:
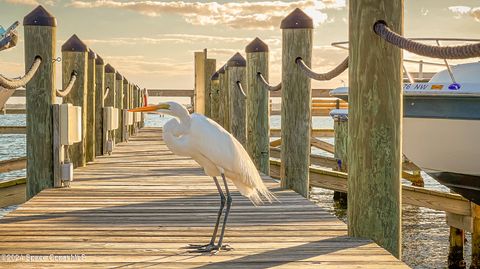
{"x": 216, "y": 150}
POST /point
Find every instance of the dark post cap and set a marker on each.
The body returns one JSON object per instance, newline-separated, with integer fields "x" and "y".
{"x": 215, "y": 76}
{"x": 99, "y": 60}
{"x": 40, "y": 17}
{"x": 297, "y": 20}
{"x": 257, "y": 45}
{"x": 74, "y": 44}
{"x": 118, "y": 76}
{"x": 222, "y": 69}
{"x": 237, "y": 61}
{"x": 125, "y": 81}
{"x": 109, "y": 69}
{"x": 91, "y": 54}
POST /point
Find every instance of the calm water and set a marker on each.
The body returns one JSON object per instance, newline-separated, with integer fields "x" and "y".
{"x": 425, "y": 233}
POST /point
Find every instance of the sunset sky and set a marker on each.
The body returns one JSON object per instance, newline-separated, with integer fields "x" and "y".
{"x": 152, "y": 42}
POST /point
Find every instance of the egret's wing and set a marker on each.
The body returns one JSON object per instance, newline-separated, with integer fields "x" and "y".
{"x": 214, "y": 142}
{"x": 221, "y": 148}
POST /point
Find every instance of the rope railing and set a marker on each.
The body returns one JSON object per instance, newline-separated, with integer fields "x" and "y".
{"x": 106, "y": 93}
{"x": 448, "y": 52}
{"x": 69, "y": 87}
{"x": 22, "y": 81}
{"x": 267, "y": 85}
{"x": 322, "y": 76}
{"x": 240, "y": 88}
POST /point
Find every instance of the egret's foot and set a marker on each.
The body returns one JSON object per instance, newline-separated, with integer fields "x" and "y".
{"x": 222, "y": 248}
{"x": 197, "y": 246}
{"x": 212, "y": 249}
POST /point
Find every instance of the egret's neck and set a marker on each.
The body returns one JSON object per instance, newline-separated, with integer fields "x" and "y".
{"x": 185, "y": 120}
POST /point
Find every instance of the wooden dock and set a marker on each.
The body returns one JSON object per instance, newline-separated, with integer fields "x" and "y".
{"x": 141, "y": 207}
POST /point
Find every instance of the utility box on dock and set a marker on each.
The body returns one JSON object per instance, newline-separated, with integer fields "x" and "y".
{"x": 111, "y": 118}
{"x": 129, "y": 117}
{"x": 138, "y": 116}
{"x": 70, "y": 124}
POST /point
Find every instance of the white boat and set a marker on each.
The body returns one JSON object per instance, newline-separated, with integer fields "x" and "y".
{"x": 441, "y": 127}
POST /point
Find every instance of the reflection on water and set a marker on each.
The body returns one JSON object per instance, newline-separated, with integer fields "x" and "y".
{"x": 425, "y": 233}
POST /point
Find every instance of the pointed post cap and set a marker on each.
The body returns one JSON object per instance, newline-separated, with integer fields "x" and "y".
{"x": 99, "y": 60}
{"x": 257, "y": 45}
{"x": 237, "y": 61}
{"x": 125, "y": 81}
{"x": 91, "y": 54}
{"x": 118, "y": 76}
{"x": 222, "y": 69}
{"x": 297, "y": 19}
{"x": 74, "y": 44}
{"x": 109, "y": 69}
{"x": 215, "y": 76}
{"x": 40, "y": 17}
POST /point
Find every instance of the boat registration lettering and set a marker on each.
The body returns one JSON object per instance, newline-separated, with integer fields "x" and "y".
{"x": 415, "y": 86}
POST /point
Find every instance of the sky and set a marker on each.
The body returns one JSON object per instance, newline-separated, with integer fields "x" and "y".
{"x": 152, "y": 42}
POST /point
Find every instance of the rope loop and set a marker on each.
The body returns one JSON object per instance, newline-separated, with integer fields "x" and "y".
{"x": 446, "y": 52}
{"x": 12, "y": 84}
{"x": 322, "y": 76}
{"x": 69, "y": 87}
{"x": 240, "y": 88}
{"x": 106, "y": 93}
{"x": 267, "y": 85}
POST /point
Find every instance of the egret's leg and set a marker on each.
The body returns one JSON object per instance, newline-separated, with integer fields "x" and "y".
{"x": 227, "y": 211}
{"x": 220, "y": 210}
{"x": 209, "y": 247}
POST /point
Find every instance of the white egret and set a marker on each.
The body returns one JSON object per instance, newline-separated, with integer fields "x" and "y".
{"x": 218, "y": 152}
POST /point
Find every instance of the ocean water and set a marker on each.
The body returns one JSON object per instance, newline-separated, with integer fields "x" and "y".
{"x": 425, "y": 233}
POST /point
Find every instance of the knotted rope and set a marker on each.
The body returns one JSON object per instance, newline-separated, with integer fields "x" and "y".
{"x": 322, "y": 76}
{"x": 448, "y": 52}
{"x": 21, "y": 82}
{"x": 267, "y": 85}
{"x": 69, "y": 87}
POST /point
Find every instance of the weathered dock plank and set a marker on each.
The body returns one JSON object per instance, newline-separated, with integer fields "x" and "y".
{"x": 143, "y": 205}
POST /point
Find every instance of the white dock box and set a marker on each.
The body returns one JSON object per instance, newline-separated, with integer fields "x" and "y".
{"x": 129, "y": 120}
{"x": 138, "y": 116}
{"x": 70, "y": 124}
{"x": 111, "y": 118}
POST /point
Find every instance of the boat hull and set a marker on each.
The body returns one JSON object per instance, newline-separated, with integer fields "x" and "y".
{"x": 446, "y": 149}
{"x": 441, "y": 132}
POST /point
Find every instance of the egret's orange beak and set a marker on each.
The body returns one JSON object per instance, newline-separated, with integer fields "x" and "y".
{"x": 150, "y": 108}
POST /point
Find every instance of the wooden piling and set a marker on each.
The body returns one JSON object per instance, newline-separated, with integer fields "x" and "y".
{"x": 99, "y": 95}
{"x": 90, "y": 135}
{"x": 258, "y": 116}
{"x": 340, "y": 125}
{"x": 119, "y": 105}
{"x": 109, "y": 101}
{"x": 125, "y": 105}
{"x": 222, "y": 97}
{"x": 200, "y": 58}
{"x": 475, "y": 264}
{"x": 40, "y": 40}
{"x": 131, "y": 104}
{"x": 214, "y": 97}
{"x": 455, "y": 252}
{"x": 236, "y": 73}
{"x": 74, "y": 59}
{"x": 210, "y": 66}
{"x": 375, "y": 124}
{"x": 297, "y": 41}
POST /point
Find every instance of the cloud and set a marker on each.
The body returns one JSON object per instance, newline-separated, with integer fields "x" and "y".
{"x": 461, "y": 11}
{"x": 178, "y": 39}
{"x": 32, "y": 2}
{"x": 239, "y": 15}
{"x": 138, "y": 65}
{"x": 22, "y": 2}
